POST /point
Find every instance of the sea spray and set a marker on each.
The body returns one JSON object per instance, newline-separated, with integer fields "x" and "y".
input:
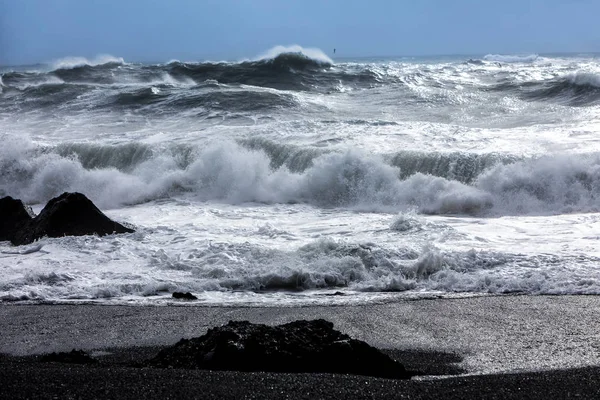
{"x": 229, "y": 172}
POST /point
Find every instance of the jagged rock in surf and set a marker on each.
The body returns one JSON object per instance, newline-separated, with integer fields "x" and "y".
{"x": 299, "y": 346}
{"x": 13, "y": 215}
{"x": 338, "y": 293}
{"x": 70, "y": 214}
{"x": 184, "y": 296}
{"x": 73, "y": 357}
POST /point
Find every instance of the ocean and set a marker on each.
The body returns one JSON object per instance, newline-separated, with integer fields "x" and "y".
{"x": 299, "y": 179}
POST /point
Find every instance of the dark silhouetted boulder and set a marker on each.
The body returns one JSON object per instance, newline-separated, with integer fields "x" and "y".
{"x": 184, "y": 296}
{"x": 338, "y": 293}
{"x": 300, "y": 346}
{"x": 70, "y": 214}
{"x": 13, "y": 216}
{"x": 73, "y": 357}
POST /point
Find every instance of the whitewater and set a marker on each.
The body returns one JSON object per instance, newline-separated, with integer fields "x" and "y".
{"x": 295, "y": 178}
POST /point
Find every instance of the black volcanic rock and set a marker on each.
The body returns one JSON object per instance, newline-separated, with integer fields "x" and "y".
{"x": 184, "y": 296}
{"x": 70, "y": 214}
{"x": 13, "y": 216}
{"x": 300, "y": 346}
{"x": 73, "y": 357}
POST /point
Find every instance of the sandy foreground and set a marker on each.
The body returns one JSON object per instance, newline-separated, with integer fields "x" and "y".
{"x": 483, "y": 347}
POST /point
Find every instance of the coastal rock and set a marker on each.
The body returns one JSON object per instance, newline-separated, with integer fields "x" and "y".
{"x": 70, "y": 214}
{"x": 73, "y": 357}
{"x": 299, "y": 346}
{"x": 13, "y": 215}
{"x": 184, "y": 296}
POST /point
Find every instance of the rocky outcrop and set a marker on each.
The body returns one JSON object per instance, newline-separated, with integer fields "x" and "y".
{"x": 73, "y": 357}
{"x": 184, "y": 296}
{"x": 70, "y": 214}
{"x": 13, "y": 216}
{"x": 300, "y": 346}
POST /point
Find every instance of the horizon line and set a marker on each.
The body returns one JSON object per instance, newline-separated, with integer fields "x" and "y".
{"x": 332, "y": 56}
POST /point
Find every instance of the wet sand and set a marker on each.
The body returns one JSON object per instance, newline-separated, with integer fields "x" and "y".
{"x": 502, "y": 347}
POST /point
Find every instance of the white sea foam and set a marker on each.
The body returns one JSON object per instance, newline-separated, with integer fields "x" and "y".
{"x": 350, "y": 179}
{"x": 169, "y": 80}
{"x": 231, "y": 173}
{"x": 584, "y": 78}
{"x": 511, "y": 58}
{"x": 72, "y": 62}
{"x": 433, "y": 178}
{"x": 126, "y": 268}
{"x": 555, "y": 184}
{"x": 408, "y": 221}
{"x": 40, "y": 81}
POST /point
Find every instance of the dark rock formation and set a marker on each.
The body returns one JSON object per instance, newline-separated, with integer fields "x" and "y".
{"x": 300, "y": 346}
{"x": 70, "y": 214}
{"x": 184, "y": 296}
{"x": 13, "y": 216}
{"x": 73, "y": 357}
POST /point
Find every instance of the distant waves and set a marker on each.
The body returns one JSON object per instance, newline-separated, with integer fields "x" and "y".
{"x": 251, "y": 87}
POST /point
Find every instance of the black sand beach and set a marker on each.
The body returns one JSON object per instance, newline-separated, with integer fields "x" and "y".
{"x": 43, "y": 381}
{"x": 510, "y": 347}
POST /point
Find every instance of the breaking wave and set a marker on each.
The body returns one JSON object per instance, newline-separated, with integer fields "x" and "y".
{"x": 73, "y": 62}
{"x": 269, "y": 82}
{"x": 212, "y": 154}
{"x": 107, "y": 82}
{"x": 325, "y": 263}
{"x": 511, "y": 58}
{"x": 462, "y": 167}
{"x": 299, "y": 52}
{"x": 574, "y": 89}
{"x": 267, "y": 173}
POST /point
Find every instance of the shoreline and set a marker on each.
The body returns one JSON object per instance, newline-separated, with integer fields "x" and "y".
{"x": 493, "y": 334}
{"x": 519, "y": 345}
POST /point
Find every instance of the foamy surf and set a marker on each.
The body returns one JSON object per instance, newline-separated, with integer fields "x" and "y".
{"x": 508, "y": 58}
{"x": 288, "y": 178}
{"x": 115, "y": 176}
{"x": 285, "y": 265}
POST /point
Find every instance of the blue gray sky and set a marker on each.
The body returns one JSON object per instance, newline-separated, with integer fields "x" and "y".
{"x": 34, "y": 31}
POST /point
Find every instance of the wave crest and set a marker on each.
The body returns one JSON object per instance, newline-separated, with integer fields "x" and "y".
{"x": 236, "y": 173}
{"x": 584, "y": 79}
{"x": 548, "y": 184}
{"x": 578, "y": 89}
{"x": 73, "y": 62}
{"x": 315, "y": 55}
{"x": 511, "y": 58}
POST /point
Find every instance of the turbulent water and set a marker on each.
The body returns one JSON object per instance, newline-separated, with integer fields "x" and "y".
{"x": 290, "y": 177}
